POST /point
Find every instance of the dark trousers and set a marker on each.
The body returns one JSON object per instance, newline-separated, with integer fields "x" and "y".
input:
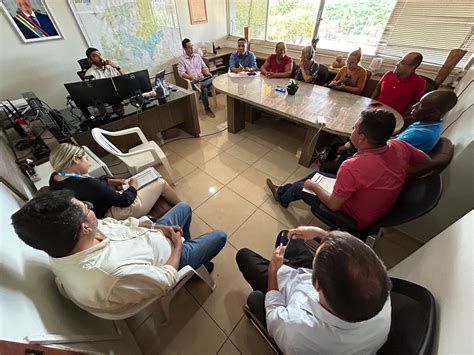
{"x": 254, "y": 268}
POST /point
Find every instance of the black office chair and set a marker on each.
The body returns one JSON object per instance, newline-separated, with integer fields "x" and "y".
{"x": 413, "y": 320}
{"x": 323, "y": 73}
{"x": 430, "y": 84}
{"x": 412, "y": 328}
{"x": 85, "y": 65}
{"x": 418, "y": 197}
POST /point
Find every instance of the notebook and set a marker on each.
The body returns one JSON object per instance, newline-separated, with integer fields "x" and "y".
{"x": 144, "y": 178}
{"x": 325, "y": 182}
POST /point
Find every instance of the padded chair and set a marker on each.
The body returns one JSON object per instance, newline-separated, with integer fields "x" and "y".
{"x": 85, "y": 65}
{"x": 161, "y": 305}
{"x": 413, "y": 320}
{"x": 138, "y": 158}
{"x": 323, "y": 73}
{"x": 418, "y": 197}
{"x": 186, "y": 84}
{"x": 431, "y": 85}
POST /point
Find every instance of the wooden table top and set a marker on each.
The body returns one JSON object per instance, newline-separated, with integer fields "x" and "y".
{"x": 340, "y": 109}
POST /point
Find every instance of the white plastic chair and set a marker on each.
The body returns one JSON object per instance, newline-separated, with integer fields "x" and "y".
{"x": 138, "y": 158}
{"x": 161, "y": 305}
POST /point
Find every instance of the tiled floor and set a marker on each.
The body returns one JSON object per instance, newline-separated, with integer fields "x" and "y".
{"x": 222, "y": 176}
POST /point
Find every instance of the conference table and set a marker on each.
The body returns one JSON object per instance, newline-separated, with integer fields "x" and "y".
{"x": 310, "y": 107}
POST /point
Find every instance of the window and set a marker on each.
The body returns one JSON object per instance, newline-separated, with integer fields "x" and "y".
{"x": 431, "y": 27}
{"x": 248, "y": 13}
{"x": 349, "y": 24}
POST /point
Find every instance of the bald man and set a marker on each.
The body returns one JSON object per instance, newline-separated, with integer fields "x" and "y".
{"x": 428, "y": 114}
{"x": 401, "y": 87}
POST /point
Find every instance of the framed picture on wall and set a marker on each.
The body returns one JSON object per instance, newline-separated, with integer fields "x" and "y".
{"x": 31, "y": 19}
{"x": 197, "y": 11}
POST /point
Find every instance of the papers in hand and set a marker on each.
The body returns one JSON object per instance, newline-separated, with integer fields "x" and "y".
{"x": 325, "y": 182}
{"x": 144, "y": 178}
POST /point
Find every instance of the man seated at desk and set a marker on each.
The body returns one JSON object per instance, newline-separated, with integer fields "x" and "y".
{"x": 242, "y": 60}
{"x": 192, "y": 67}
{"x": 367, "y": 185}
{"x": 278, "y": 65}
{"x": 101, "y": 68}
{"x": 109, "y": 266}
{"x": 401, "y": 87}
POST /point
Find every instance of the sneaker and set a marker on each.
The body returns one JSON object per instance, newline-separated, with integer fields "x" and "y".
{"x": 273, "y": 188}
{"x": 210, "y": 113}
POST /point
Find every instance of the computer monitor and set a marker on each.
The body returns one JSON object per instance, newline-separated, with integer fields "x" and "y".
{"x": 95, "y": 93}
{"x": 160, "y": 76}
{"x": 131, "y": 84}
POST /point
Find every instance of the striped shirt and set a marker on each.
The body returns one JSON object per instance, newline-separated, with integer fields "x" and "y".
{"x": 192, "y": 65}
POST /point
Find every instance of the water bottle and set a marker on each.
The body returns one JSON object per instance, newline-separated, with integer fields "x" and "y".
{"x": 166, "y": 88}
{"x": 160, "y": 92}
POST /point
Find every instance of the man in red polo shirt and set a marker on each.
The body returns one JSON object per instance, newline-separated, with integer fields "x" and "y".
{"x": 401, "y": 88}
{"x": 368, "y": 184}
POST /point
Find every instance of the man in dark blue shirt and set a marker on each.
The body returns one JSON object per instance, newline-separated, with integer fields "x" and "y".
{"x": 242, "y": 59}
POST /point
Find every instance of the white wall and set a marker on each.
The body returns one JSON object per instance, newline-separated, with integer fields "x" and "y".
{"x": 44, "y": 67}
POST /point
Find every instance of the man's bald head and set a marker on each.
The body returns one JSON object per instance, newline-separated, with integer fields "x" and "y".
{"x": 434, "y": 105}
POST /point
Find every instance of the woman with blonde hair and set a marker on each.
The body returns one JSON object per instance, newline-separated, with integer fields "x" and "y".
{"x": 309, "y": 70}
{"x": 71, "y": 166}
{"x": 278, "y": 65}
{"x": 351, "y": 77}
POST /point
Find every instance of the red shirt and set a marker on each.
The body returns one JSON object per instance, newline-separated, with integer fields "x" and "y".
{"x": 399, "y": 93}
{"x": 372, "y": 180}
{"x": 278, "y": 67}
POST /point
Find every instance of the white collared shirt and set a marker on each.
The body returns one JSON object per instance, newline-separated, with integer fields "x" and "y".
{"x": 99, "y": 73}
{"x": 300, "y": 325}
{"x": 126, "y": 267}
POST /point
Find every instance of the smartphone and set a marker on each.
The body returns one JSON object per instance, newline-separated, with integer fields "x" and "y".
{"x": 282, "y": 238}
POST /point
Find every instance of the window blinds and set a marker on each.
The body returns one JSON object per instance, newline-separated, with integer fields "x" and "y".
{"x": 431, "y": 27}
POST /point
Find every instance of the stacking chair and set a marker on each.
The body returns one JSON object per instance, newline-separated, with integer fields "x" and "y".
{"x": 186, "y": 84}
{"x": 161, "y": 305}
{"x": 413, "y": 323}
{"x": 418, "y": 197}
{"x": 138, "y": 158}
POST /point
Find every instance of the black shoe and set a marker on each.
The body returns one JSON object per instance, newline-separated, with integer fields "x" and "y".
{"x": 209, "y": 266}
{"x": 273, "y": 188}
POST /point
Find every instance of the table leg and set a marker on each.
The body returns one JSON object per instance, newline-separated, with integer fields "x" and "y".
{"x": 235, "y": 114}
{"x": 310, "y": 140}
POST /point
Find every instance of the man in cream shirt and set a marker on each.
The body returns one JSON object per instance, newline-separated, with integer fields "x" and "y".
{"x": 106, "y": 266}
{"x": 101, "y": 68}
{"x": 341, "y": 306}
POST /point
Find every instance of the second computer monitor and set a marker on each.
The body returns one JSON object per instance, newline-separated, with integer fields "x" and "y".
{"x": 131, "y": 84}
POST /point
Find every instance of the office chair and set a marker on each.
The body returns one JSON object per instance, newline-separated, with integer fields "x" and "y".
{"x": 413, "y": 320}
{"x": 412, "y": 327}
{"x": 418, "y": 197}
{"x": 430, "y": 84}
{"x": 85, "y": 65}
{"x": 323, "y": 73}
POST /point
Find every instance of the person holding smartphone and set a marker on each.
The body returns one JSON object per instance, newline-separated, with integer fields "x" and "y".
{"x": 329, "y": 308}
{"x": 101, "y": 67}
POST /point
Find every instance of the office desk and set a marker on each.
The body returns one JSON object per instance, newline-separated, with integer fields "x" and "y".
{"x": 180, "y": 110}
{"x": 445, "y": 266}
{"x": 339, "y": 109}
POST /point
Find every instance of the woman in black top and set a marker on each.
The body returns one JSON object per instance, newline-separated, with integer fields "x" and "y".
{"x": 71, "y": 165}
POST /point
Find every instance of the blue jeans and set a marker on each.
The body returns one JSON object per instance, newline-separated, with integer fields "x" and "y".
{"x": 195, "y": 251}
{"x": 205, "y": 85}
{"x": 294, "y": 192}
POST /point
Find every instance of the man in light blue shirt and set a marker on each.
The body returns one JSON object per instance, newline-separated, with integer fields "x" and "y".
{"x": 242, "y": 59}
{"x": 428, "y": 112}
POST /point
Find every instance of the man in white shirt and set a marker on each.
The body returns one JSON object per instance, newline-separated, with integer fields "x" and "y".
{"x": 342, "y": 306}
{"x": 101, "y": 68}
{"x": 106, "y": 266}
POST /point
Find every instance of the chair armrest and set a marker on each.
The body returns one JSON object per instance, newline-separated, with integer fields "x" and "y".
{"x": 151, "y": 150}
{"x": 342, "y": 220}
{"x": 124, "y": 132}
